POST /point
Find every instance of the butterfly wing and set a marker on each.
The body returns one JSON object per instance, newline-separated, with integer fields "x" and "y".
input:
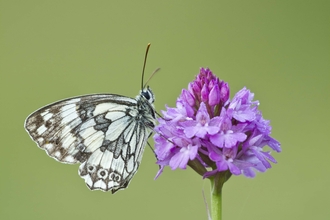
{"x": 106, "y": 133}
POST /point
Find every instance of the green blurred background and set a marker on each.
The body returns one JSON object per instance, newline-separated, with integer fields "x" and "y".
{"x": 50, "y": 50}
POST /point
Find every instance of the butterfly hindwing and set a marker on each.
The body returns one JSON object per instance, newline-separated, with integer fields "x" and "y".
{"x": 106, "y": 133}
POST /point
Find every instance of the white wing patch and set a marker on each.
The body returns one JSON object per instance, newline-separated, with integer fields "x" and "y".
{"x": 106, "y": 133}
{"x": 117, "y": 127}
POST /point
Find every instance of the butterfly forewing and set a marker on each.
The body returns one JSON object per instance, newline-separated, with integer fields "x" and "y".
{"x": 106, "y": 133}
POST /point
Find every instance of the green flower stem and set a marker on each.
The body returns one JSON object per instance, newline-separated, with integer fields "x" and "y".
{"x": 216, "y": 195}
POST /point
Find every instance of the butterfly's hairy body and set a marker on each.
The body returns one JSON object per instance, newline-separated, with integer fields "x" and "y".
{"x": 106, "y": 133}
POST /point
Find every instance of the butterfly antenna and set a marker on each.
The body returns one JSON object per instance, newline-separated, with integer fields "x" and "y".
{"x": 151, "y": 77}
{"x": 144, "y": 65}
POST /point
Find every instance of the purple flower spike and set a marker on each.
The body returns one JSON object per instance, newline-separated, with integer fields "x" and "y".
{"x": 212, "y": 134}
{"x": 202, "y": 126}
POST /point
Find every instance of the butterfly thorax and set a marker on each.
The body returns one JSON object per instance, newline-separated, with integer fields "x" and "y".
{"x": 146, "y": 112}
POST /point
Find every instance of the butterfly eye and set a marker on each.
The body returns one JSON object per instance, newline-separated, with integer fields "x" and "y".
{"x": 146, "y": 94}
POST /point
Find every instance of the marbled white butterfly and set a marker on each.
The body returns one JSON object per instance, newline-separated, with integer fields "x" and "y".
{"x": 106, "y": 133}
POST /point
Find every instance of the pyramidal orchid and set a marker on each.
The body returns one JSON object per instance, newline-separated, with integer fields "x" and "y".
{"x": 215, "y": 136}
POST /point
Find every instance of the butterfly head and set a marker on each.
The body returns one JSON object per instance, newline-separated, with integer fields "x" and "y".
{"x": 148, "y": 95}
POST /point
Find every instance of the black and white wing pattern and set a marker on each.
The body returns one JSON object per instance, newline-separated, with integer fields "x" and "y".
{"x": 106, "y": 133}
